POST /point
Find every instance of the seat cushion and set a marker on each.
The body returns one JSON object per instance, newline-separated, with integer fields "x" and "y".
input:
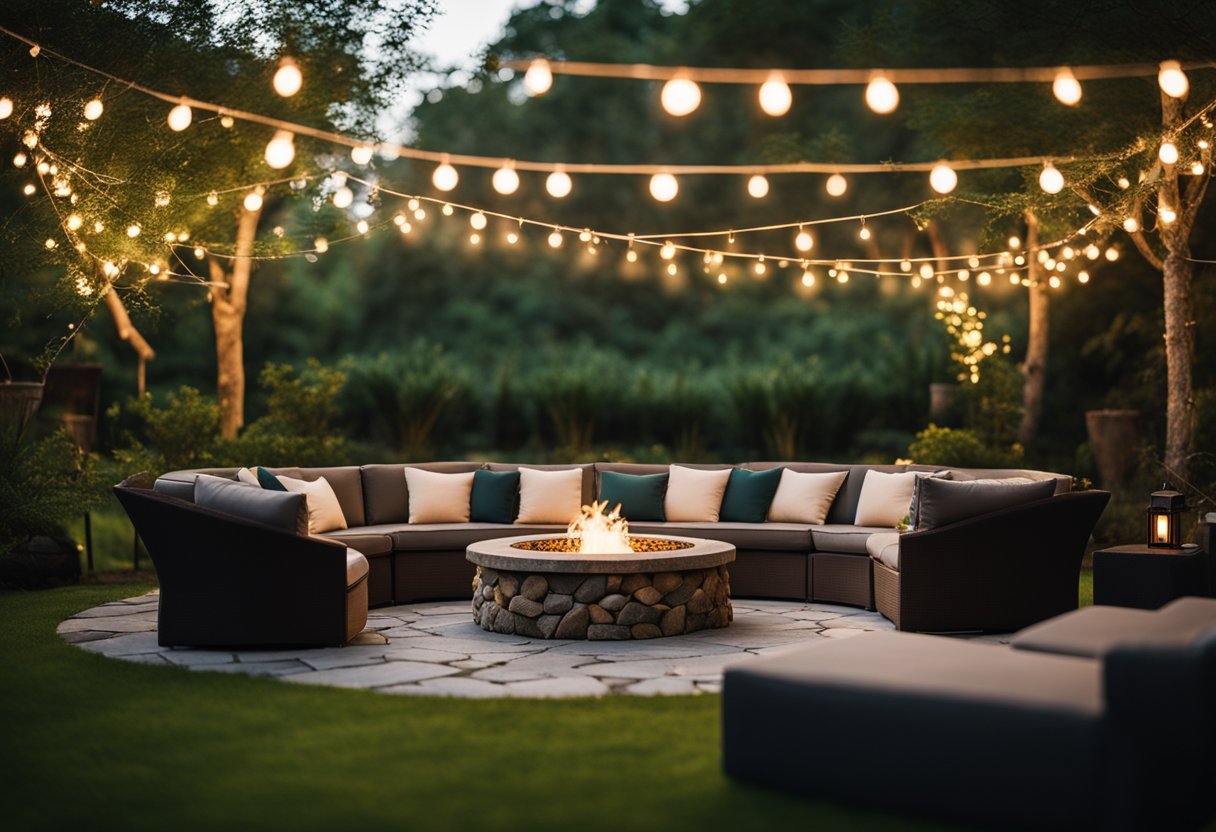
{"x": 356, "y": 567}
{"x": 773, "y": 537}
{"x": 442, "y": 537}
{"x": 1095, "y": 631}
{"x": 884, "y": 548}
{"x": 846, "y": 539}
{"x": 371, "y": 545}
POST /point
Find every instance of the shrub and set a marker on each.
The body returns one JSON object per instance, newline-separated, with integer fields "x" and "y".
{"x": 960, "y": 448}
{"x": 43, "y": 483}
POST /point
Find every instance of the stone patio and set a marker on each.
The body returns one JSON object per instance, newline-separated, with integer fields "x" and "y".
{"x": 437, "y": 650}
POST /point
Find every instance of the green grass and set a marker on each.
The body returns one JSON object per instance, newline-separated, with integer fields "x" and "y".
{"x": 93, "y": 743}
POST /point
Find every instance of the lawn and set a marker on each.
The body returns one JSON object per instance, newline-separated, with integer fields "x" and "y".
{"x": 93, "y": 743}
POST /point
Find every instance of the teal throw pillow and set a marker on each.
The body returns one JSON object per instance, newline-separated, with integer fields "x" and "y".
{"x": 640, "y": 496}
{"x": 495, "y": 497}
{"x": 268, "y": 480}
{"x": 748, "y": 495}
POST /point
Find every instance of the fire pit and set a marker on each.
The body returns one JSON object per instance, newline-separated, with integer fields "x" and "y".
{"x": 560, "y": 586}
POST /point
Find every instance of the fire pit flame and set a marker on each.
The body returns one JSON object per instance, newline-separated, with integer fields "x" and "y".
{"x": 598, "y": 533}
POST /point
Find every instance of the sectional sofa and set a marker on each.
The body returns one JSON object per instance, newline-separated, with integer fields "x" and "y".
{"x": 829, "y": 562}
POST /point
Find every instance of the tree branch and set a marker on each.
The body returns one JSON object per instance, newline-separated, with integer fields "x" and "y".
{"x": 126, "y": 329}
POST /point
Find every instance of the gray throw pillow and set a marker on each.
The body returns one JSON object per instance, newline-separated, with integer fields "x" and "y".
{"x": 940, "y": 502}
{"x": 280, "y": 509}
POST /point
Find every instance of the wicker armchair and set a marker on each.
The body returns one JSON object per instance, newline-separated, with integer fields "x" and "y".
{"x": 226, "y": 581}
{"x": 997, "y": 572}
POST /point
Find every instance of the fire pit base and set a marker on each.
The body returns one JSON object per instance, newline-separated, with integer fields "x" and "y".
{"x": 601, "y": 607}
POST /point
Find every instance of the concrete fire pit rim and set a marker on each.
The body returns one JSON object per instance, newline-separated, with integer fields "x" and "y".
{"x": 500, "y": 554}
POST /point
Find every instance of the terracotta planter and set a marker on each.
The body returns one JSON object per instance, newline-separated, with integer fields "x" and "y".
{"x": 1115, "y": 438}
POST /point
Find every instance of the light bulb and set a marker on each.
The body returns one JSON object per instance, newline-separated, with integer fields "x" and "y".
{"x": 6, "y": 107}
{"x": 775, "y": 96}
{"x": 1050, "y": 179}
{"x": 213, "y": 198}
{"x": 757, "y": 187}
{"x": 478, "y": 221}
{"x": 361, "y": 154}
{"x": 881, "y": 95}
{"x": 398, "y": 219}
{"x": 227, "y": 121}
{"x": 505, "y": 180}
{"x": 180, "y": 118}
{"x": 672, "y": 269}
{"x": 287, "y": 78}
{"x": 664, "y": 187}
{"x": 30, "y": 139}
{"x": 74, "y": 222}
{"x": 983, "y": 279}
{"x": 631, "y": 256}
{"x": 759, "y": 267}
{"x": 837, "y": 185}
{"x": 905, "y": 265}
{"x": 808, "y": 278}
{"x": 558, "y": 184}
{"x": 512, "y": 238}
{"x": 1168, "y": 154}
{"x": 133, "y": 230}
{"x": 863, "y": 233}
{"x": 199, "y": 253}
{"x": 1124, "y": 182}
{"x": 343, "y": 197}
{"x": 281, "y": 150}
{"x": 1082, "y": 277}
{"x": 253, "y": 201}
{"x": 29, "y": 189}
{"x": 1130, "y": 225}
{"x": 942, "y": 178}
{"x": 447, "y": 210}
{"x": 445, "y": 177}
{"x": 93, "y": 109}
{"x": 19, "y": 160}
{"x": 1054, "y": 282}
{"x": 926, "y": 270}
{"x": 539, "y": 77}
{"x": 555, "y": 239}
{"x": 1112, "y": 254}
{"x": 1197, "y": 168}
{"x": 1066, "y": 87}
{"x": 804, "y": 241}
{"x": 721, "y": 279}
{"x": 321, "y": 245}
{"x": 1173, "y": 80}
{"x": 680, "y": 96}
{"x": 362, "y": 227}
{"x": 668, "y": 251}
{"x": 1166, "y": 215}
{"x": 1093, "y": 252}
{"x": 474, "y": 239}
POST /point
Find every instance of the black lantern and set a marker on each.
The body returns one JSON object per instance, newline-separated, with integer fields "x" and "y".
{"x": 1165, "y": 519}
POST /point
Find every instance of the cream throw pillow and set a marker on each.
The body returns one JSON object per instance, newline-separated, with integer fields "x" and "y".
{"x": 804, "y": 498}
{"x": 248, "y": 477}
{"x": 550, "y": 496}
{"x": 438, "y": 498}
{"x": 324, "y": 510}
{"x": 887, "y": 498}
{"x": 694, "y": 495}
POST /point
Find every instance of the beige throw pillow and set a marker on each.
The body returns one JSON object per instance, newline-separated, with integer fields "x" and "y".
{"x": 804, "y": 498}
{"x": 324, "y": 510}
{"x": 550, "y": 496}
{"x": 694, "y": 495}
{"x": 248, "y": 477}
{"x": 887, "y": 498}
{"x": 438, "y": 498}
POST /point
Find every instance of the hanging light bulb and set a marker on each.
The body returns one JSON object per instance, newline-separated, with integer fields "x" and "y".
{"x": 631, "y": 256}
{"x": 1166, "y": 214}
{"x": 362, "y": 227}
{"x": 253, "y": 200}
{"x": 1112, "y": 254}
{"x": 1066, "y": 87}
{"x": 881, "y": 95}
{"x": 680, "y": 96}
{"x": 926, "y": 270}
{"x": 1173, "y": 80}
{"x": 180, "y": 117}
{"x": 447, "y": 210}
{"x": 1168, "y": 153}
{"x": 905, "y": 265}
{"x": 133, "y": 230}
{"x": 775, "y": 96}
{"x": 664, "y": 187}
{"x": 668, "y": 251}
{"x": 1124, "y": 183}
{"x": 74, "y": 222}
{"x": 1093, "y": 252}
{"x": 6, "y": 107}
{"x": 343, "y": 197}
{"x": 760, "y": 268}
{"x": 558, "y": 184}
{"x": 942, "y": 178}
{"x": 505, "y": 179}
{"x": 757, "y": 186}
{"x": 281, "y": 150}
{"x": 512, "y": 237}
{"x": 555, "y": 239}
{"x": 539, "y": 77}
{"x": 808, "y": 278}
{"x": 478, "y": 221}
{"x": 1050, "y": 179}
{"x": 320, "y": 245}
{"x": 803, "y": 241}
{"x": 287, "y": 78}
{"x": 984, "y": 278}
{"x": 361, "y": 154}
{"x": 93, "y": 109}
{"x": 445, "y": 177}
{"x": 863, "y": 233}
{"x": 19, "y": 160}
{"x": 1082, "y": 277}
{"x": 213, "y": 199}
{"x": 1130, "y": 225}
{"x": 1197, "y": 168}
{"x": 836, "y": 185}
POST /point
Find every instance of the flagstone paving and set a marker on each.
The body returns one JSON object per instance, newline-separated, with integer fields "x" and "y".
{"x": 437, "y": 650}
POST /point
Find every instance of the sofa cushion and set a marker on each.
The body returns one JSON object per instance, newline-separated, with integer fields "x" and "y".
{"x": 844, "y": 507}
{"x": 266, "y": 479}
{"x": 887, "y": 498}
{"x": 180, "y": 484}
{"x": 1095, "y": 631}
{"x": 324, "y": 511}
{"x": 372, "y": 545}
{"x": 445, "y": 537}
{"x": 939, "y": 502}
{"x": 805, "y": 497}
{"x": 249, "y": 478}
{"x": 850, "y": 540}
{"x": 772, "y": 537}
{"x": 694, "y": 495}
{"x": 550, "y": 496}
{"x": 749, "y": 494}
{"x": 587, "y": 470}
{"x": 347, "y": 483}
{"x": 386, "y": 497}
{"x": 884, "y": 548}
{"x": 356, "y": 567}
{"x": 288, "y": 512}
{"x": 640, "y": 496}
{"x": 1063, "y": 482}
{"x": 495, "y": 497}
{"x": 438, "y": 498}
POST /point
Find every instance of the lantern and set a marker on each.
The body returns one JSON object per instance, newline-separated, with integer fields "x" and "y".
{"x": 1165, "y": 519}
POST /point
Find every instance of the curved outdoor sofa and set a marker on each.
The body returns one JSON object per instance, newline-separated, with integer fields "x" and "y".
{"x": 998, "y": 571}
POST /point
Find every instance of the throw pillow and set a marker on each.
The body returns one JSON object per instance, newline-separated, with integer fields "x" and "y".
{"x": 640, "y": 496}
{"x": 281, "y": 510}
{"x": 269, "y": 481}
{"x": 805, "y": 498}
{"x": 887, "y": 498}
{"x": 324, "y": 510}
{"x": 495, "y": 497}
{"x": 695, "y": 495}
{"x": 550, "y": 496}
{"x": 248, "y": 477}
{"x": 438, "y": 498}
{"x": 940, "y": 502}
{"x": 748, "y": 495}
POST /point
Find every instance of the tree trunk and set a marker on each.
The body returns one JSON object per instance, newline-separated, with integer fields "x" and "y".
{"x": 1034, "y": 369}
{"x": 228, "y": 304}
{"x": 128, "y": 333}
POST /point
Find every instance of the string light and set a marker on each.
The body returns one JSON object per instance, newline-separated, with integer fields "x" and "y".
{"x": 984, "y": 278}
{"x": 555, "y": 239}
{"x": 680, "y": 97}
{"x": 288, "y": 79}
{"x": 539, "y": 77}
{"x": 775, "y": 96}
{"x": 1066, "y": 87}
{"x": 343, "y": 197}
{"x": 759, "y": 267}
{"x": 512, "y": 238}
{"x": 863, "y": 233}
{"x": 1166, "y": 214}
{"x": 74, "y": 222}
{"x": 1082, "y": 277}
{"x": 474, "y": 239}
{"x": 180, "y": 118}
{"x": 1197, "y": 168}
{"x": 881, "y": 95}
{"x": 668, "y": 251}
{"x": 19, "y": 160}
{"x": 905, "y": 265}
{"x": 943, "y": 179}
{"x": 478, "y": 221}
{"x": 1173, "y": 80}
{"x": 281, "y": 150}
{"x": 1124, "y": 183}
{"x": 6, "y": 107}
{"x": 664, "y": 187}
{"x": 29, "y": 189}
{"x": 757, "y": 186}
{"x": 362, "y": 226}
{"x": 558, "y": 184}
{"x": 1112, "y": 254}
{"x": 132, "y": 230}
{"x": 321, "y": 245}
{"x": 808, "y": 278}
{"x": 1130, "y": 225}
{"x": 803, "y": 241}
{"x": 30, "y": 139}
{"x": 253, "y": 200}
{"x": 1050, "y": 179}
{"x": 93, "y": 109}
{"x": 361, "y": 154}
{"x": 505, "y": 180}
{"x": 445, "y": 177}
{"x": 447, "y": 210}
{"x": 213, "y": 199}
{"x": 1168, "y": 153}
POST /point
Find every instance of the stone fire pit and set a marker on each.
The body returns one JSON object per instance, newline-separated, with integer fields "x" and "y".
{"x": 540, "y": 587}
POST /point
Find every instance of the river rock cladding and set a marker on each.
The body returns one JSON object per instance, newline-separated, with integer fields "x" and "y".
{"x": 601, "y": 607}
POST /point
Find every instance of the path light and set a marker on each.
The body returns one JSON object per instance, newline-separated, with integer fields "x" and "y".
{"x": 1066, "y": 87}
{"x": 837, "y": 185}
{"x": 287, "y": 78}
{"x": 558, "y": 184}
{"x": 505, "y": 180}
{"x": 94, "y": 109}
{"x": 539, "y": 77}
{"x": 1173, "y": 80}
{"x": 445, "y": 177}
{"x": 942, "y": 178}
{"x": 281, "y": 150}
{"x": 757, "y": 187}
{"x": 881, "y": 95}
{"x": 775, "y": 96}
{"x": 664, "y": 187}
{"x": 680, "y": 96}
{"x": 1050, "y": 179}
{"x": 180, "y": 117}
{"x": 1164, "y": 513}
